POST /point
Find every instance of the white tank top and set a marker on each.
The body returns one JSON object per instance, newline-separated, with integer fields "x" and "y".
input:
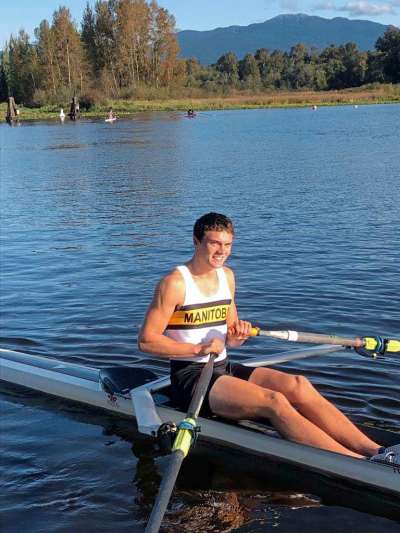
{"x": 201, "y": 318}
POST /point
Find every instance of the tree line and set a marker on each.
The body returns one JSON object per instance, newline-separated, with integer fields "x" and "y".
{"x": 335, "y": 67}
{"x": 129, "y": 49}
{"x": 121, "y": 45}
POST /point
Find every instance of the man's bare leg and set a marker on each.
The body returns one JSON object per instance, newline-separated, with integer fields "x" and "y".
{"x": 315, "y": 408}
{"x": 238, "y": 399}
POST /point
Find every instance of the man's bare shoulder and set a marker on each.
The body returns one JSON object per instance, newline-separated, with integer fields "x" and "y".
{"x": 229, "y": 273}
{"x": 174, "y": 277}
{"x": 230, "y": 276}
{"x": 173, "y": 282}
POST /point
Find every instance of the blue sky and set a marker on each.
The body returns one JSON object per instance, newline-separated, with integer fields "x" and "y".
{"x": 206, "y": 14}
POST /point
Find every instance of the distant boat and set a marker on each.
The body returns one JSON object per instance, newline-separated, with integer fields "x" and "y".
{"x": 314, "y": 107}
{"x": 111, "y": 116}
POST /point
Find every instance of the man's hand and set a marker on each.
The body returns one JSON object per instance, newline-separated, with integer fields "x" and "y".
{"x": 214, "y": 346}
{"x": 238, "y": 332}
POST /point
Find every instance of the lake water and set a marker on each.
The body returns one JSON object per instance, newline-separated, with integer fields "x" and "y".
{"x": 94, "y": 213}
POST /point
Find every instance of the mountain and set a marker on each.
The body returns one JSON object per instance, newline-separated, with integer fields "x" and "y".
{"x": 279, "y": 33}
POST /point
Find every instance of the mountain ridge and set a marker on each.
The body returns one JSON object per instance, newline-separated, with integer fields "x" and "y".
{"x": 278, "y": 33}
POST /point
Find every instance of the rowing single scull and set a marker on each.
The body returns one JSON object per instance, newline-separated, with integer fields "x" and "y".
{"x": 131, "y": 391}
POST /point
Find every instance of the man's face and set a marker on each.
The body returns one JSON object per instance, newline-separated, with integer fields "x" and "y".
{"x": 215, "y": 247}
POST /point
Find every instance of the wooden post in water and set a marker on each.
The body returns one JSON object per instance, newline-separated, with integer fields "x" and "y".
{"x": 12, "y": 110}
{"x": 74, "y": 109}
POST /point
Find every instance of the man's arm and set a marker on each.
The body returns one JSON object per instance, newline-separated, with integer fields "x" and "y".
{"x": 169, "y": 294}
{"x": 238, "y": 330}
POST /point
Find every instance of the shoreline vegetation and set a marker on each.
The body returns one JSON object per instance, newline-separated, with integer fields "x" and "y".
{"x": 125, "y": 56}
{"x": 381, "y": 94}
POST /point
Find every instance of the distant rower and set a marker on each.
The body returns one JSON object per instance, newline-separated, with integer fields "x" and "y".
{"x": 111, "y": 116}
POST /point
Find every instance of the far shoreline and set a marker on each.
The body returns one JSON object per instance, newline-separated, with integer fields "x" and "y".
{"x": 385, "y": 94}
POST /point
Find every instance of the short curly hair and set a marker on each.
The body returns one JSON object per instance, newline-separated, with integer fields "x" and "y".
{"x": 214, "y": 222}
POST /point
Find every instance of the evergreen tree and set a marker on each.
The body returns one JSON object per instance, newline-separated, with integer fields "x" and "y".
{"x": 22, "y": 68}
{"x": 47, "y": 58}
{"x": 105, "y": 44}
{"x": 4, "y": 89}
{"x": 88, "y": 37}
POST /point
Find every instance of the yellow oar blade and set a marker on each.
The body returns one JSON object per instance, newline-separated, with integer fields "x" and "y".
{"x": 393, "y": 346}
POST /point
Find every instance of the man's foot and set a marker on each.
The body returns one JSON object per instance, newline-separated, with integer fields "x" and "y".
{"x": 389, "y": 455}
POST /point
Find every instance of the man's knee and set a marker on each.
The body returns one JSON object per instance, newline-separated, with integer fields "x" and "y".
{"x": 300, "y": 390}
{"x": 277, "y": 404}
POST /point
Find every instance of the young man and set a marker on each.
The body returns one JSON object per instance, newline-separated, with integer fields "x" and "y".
{"x": 193, "y": 313}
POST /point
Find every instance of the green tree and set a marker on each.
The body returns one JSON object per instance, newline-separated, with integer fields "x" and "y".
{"x": 88, "y": 37}
{"x": 202, "y": 76}
{"x": 389, "y": 46}
{"x": 22, "y": 69}
{"x": 228, "y": 67}
{"x": 331, "y": 60}
{"x": 299, "y": 54}
{"x": 277, "y": 69}
{"x": 249, "y": 72}
{"x": 4, "y": 91}
{"x": 355, "y": 63}
{"x": 105, "y": 44}
{"x": 344, "y": 66}
{"x": 47, "y": 58}
{"x": 300, "y": 73}
{"x": 262, "y": 57}
{"x": 375, "y": 73}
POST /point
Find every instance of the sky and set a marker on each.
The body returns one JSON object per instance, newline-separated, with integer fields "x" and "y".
{"x": 205, "y": 14}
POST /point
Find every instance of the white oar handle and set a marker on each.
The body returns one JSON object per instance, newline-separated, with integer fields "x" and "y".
{"x": 312, "y": 338}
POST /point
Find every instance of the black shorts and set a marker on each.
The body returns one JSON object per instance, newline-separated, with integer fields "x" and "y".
{"x": 185, "y": 375}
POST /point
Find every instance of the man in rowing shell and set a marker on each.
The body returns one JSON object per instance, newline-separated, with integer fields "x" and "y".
{"x": 193, "y": 314}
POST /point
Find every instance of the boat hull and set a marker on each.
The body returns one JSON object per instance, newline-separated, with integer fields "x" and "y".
{"x": 254, "y": 446}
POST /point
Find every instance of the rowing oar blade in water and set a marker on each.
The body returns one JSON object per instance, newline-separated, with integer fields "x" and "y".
{"x": 185, "y": 437}
{"x": 372, "y": 345}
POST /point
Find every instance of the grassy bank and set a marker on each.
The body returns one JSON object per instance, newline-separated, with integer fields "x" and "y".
{"x": 272, "y": 99}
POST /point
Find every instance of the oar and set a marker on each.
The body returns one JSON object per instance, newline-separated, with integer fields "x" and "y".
{"x": 375, "y": 345}
{"x": 185, "y": 437}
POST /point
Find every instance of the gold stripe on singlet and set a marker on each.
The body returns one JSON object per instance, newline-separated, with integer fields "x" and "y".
{"x": 200, "y": 315}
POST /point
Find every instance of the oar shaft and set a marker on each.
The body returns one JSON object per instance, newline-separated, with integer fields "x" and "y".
{"x": 165, "y": 491}
{"x": 311, "y": 338}
{"x": 201, "y": 388}
{"x": 182, "y": 444}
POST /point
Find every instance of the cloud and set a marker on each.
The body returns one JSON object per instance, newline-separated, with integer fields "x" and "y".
{"x": 358, "y": 7}
{"x": 326, "y": 5}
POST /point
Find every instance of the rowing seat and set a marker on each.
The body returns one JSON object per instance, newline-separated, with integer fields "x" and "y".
{"x": 122, "y": 379}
